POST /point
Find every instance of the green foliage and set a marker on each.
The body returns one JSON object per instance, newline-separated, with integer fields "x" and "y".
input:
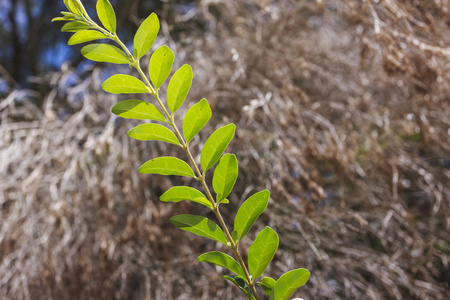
{"x": 137, "y": 109}
{"x": 223, "y": 260}
{"x": 180, "y": 193}
{"x": 216, "y": 145}
{"x": 145, "y": 35}
{"x": 249, "y": 211}
{"x": 153, "y": 132}
{"x": 288, "y": 283}
{"x": 241, "y": 284}
{"x": 104, "y": 53}
{"x": 84, "y": 36}
{"x": 179, "y": 87}
{"x": 74, "y": 26}
{"x": 167, "y": 165}
{"x": 267, "y": 284}
{"x": 262, "y": 250}
{"x": 225, "y": 176}
{"x": 201, "y": 226}
{"x": 124, "y": 84}
{"x": 160, "y": 65}
{"x": 106, "y": 15}
{"x": 195, "y": 119}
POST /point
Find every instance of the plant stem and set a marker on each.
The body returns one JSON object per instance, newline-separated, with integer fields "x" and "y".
{"x": 200, "y": 176}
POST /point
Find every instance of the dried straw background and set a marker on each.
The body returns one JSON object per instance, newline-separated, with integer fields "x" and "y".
{"x": 342, "y": 110}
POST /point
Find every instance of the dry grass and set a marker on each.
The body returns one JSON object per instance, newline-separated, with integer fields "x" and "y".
{"x": 343, "y": 113}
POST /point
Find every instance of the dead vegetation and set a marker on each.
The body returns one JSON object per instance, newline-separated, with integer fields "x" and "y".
{"x": 343, "y": 113}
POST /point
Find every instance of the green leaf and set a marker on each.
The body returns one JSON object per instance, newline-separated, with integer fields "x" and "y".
{"x": 178, "y": 88}
{"x": 180, "y": 193}
{"x": 85, "y": 36}
{"x": 124, "y": 84}
{"x": 241, "y": 284}
{"x": 225, "y": 176}
{"x": 105, "y": 53}
{"x": 167, "y": 165}
{"x": 267, "y": 284}
{"x": 160, "y": 65}
{"x": 222, "y": 260}
{"x": 71, "y": 6}
{"x": 61, "y": 19}
{"x": 153, "y": 132}
{"x": 106, "y": 15}
{"x": 249, "y": 211}
{"x": 199, "y": 225}
{"x": 146, "y": 35}
{"x": 195, "y": 119}
{"x": 288, "y": 283}
{"x": 137, "y": 109}
{"x": 74, "y": 26}
{"x": 262, "y": 251}
{"x": 216, "y": 145}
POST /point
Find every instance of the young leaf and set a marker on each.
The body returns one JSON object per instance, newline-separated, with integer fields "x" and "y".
{"x": 146, "y": 35}
{"x": 106, "y": 15}
{"x": 249, "y": 211}
{"x": 105, "y": 53}
{"x": 216, "y": 145}
{"x": 180, "y": 193}
{"x": 167, "y": 165}
{"x": 196, "y": 117}
{"x": 241, "y": 284}
{"x": 71, "y": 6}
{"x": 288, "y": 283}
{"x": 74, "y": 26}
{"x": 85, "y": 36}
{"x": 225, "y": 176}
{"x": 267, "y": 284}
{"x": 124, "y": 84}
{"x": 178, "y": 88}
{"x": 153, "y": 132}
{"x": 199, "y": 225}
{"x": 160, "y": 65}
{"x": 262, "y": 251}
{"x": 222, "y": 260}
{"x": 137, "y": 109}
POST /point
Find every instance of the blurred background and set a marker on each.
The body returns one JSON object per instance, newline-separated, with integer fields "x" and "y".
{"x": 342, "y": 111}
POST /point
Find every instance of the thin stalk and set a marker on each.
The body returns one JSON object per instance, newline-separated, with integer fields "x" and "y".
{"x": 200, "y": 176}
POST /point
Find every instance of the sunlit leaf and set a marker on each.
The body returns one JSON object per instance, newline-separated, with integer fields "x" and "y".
{"x": 146, "y": 35}
{"x": 124, "y": 84}
{"x": 222, "y": 260}
{"x": 74, "y": 26}
{"x": 85, "y": 36}
{"x": 167, "y": 165}
{"x": 180, "y": 193}
{"x": 104, "y": 53}
{"x": 106, "y": 15}
{"x": 267, "y": 284}
{"x": 195, "y": 119}
{"x": 288, "y": 283}
{"x": 200, "y": 226}
{"x": 262, "y": 251}
{"x": 160, "y": 65}
{"x": 71, "y": 6}
{"x": 216, "y": 145}
{"x": 153, "y": 132}
{"x": 137, "y": 109}
{"x": 179, "y": 86}
{"x": 241, "y": 284}
{"x": 225, "y": 176}
{"x": 249, "y": 211}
